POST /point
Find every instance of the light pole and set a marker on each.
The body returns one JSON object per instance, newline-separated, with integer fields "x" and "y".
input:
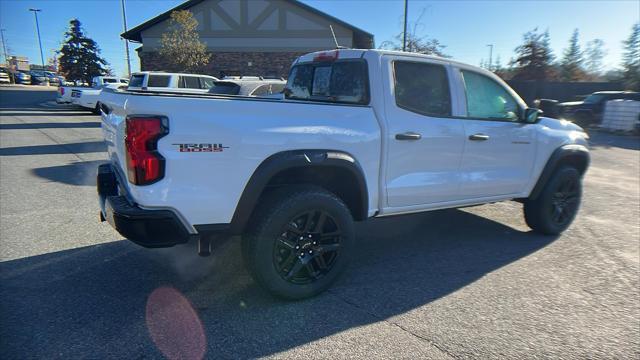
{"x": 404, "y": 33}
{"x": 126, "y": 42}
{"x": 35, "y": 12}
{"x": 490, "y": 56}
{"x": 6, "y": 58}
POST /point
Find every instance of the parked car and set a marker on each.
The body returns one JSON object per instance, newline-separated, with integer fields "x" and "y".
{"x": 54, "y": 79}
{"x": 359, "y": 134}
{"x": 248, "y": 86}
{"x": 176, "y": 82}
{"x": 4, "y": 77}
{"x": 39, "y": 78}
{"x": 22, "y": 78}
{"x": 589, "y": 111}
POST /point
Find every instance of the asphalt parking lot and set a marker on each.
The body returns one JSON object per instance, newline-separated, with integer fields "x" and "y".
{"x": 470, "y": 283}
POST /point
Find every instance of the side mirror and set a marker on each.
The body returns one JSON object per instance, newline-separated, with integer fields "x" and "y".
{"x": 531, "y": 115}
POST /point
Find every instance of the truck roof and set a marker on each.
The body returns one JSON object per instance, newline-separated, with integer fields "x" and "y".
{"x": 360, "y": 53}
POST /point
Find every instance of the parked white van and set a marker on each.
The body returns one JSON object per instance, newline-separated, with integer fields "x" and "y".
{"x": 161, "y": 81}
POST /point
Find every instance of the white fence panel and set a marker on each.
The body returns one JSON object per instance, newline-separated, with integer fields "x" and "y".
{"x": 621, "y": 115}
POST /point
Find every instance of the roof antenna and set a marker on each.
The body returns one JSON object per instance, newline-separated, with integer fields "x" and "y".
{"x": 335, "y": 40}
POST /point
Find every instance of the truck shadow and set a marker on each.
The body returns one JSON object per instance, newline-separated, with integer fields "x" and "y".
{"x": 81, "y": 173}
{"x": 82, "y": 147}
{"x": 50, "y": 125}
{"x": 121, "y": 301}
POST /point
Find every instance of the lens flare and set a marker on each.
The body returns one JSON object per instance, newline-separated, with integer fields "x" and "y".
{"x": 174, "y": 326}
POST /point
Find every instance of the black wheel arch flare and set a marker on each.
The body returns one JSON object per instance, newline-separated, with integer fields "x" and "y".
{"x": 572, "y": 154}
{"x": 282, "y": 161}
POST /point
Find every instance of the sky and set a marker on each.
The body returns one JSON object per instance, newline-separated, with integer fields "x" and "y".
{"x": 465, "y": 27}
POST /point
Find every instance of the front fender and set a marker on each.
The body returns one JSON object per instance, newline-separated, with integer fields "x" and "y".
{"x": 574, "y": 154}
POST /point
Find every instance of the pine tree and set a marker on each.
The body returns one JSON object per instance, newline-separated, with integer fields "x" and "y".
{"x": 80, "y": 56}
{"x": 631, "y": 59}
{"x": 181, "y": 47}
{"x": 593, "y": 55}
{"x": 571, "y": 64}
{"x": 534, "y": 57}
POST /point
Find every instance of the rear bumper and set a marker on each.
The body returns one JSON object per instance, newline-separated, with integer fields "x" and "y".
{"x": 148, "y": 228}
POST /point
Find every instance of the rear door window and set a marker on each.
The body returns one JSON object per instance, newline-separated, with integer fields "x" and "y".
{"x": 343, "y": 81}
{"x": 158, "y": 81}
{"x": 422, "y": 88}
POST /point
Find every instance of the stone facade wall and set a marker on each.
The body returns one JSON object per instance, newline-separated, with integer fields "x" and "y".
{"x": 268, "y": 64}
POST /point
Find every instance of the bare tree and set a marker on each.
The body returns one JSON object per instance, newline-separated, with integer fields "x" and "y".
{"x": 415, "y": 42}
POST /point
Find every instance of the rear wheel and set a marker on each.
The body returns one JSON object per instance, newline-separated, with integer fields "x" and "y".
{"x": 299, "y": 242}
{"x": 556, "y": 207}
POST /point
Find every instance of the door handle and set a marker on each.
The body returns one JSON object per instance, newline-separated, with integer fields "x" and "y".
{"x": 479, "y": 137}
{"x": 408, "y": 136}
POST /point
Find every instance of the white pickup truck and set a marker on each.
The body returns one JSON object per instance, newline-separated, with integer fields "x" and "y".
{"x": 359, "y": 134}
{"x": 71, "y": 94}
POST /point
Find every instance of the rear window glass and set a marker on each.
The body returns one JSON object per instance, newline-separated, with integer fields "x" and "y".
{"x": 108, "y": 81}
{"x": 158, "y": 81}
{"x": 136, "y": 80}
{"x": 225, "y": 88}
{"x": 341, "y": 81}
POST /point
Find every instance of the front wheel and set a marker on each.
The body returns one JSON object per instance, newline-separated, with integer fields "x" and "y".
{"x": 299, "y": 241}
{"x": 555, "y": 208}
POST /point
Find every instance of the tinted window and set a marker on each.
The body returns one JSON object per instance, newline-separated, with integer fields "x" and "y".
{"x": 158, "y": 81}
{"x": 340, "y": 81}
{"x": 108, "y": 81}
{"x": 136, "y": 80}
{"x": 486, "y": 99}
{"x": 189, "y": 82}
{"x": 226, "y": 88}
{"x": 422, "y": 88}
{"x": 124, "y": 81}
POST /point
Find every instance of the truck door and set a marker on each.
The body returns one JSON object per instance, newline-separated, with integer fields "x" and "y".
{"x": 424, "y": 142}
{"x": 500, "y": 149}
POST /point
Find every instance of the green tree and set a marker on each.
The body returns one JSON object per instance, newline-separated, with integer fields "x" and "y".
{"x": 534, "y": 57}
{"x": 571, "y": 63}
{"x": 631, "y": 59}
{"x": 593, "y": 55}
{"x": 80, "y": 56}
{"x": 181, "y": 47}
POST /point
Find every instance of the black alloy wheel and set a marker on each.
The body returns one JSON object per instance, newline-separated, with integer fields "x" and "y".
{"x": 307, "y": 248}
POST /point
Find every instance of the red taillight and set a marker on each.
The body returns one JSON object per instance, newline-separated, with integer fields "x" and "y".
{"x": 326, "y": 56}
{"x": 144, "y": 164}
{"x": 61, "y": 90}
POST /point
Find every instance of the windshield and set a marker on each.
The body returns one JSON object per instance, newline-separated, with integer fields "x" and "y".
{"x": 340, "y": 81}
{"x": 225, "y": 88}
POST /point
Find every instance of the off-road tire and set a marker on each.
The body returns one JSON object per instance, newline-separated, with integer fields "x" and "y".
{"x": 270, "y": 227}
{"x": 542, "y": 214}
